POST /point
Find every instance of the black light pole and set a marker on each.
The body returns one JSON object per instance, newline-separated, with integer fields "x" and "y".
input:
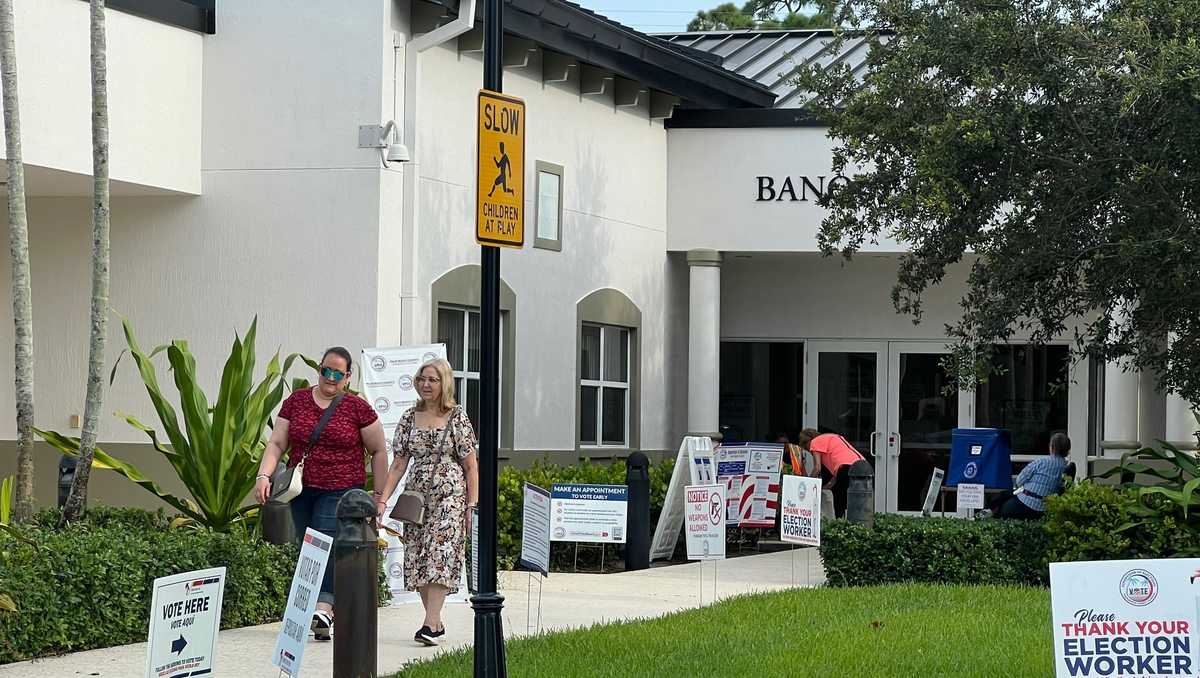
{"x": 489, "y": 632}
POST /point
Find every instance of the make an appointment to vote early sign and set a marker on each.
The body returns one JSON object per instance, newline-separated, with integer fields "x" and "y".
{"x": 302, "y": 602}
{"x": 185, "y": 616}
{"x": 588, "y": 513}
{"x": 1126, "y": 618}
{"x": 500, "y": 171}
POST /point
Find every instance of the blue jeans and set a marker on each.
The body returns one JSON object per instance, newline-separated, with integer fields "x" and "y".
{"x": 318, "y": 509}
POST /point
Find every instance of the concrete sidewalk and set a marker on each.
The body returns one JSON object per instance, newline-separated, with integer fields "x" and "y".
{"x": 567, "y": 601}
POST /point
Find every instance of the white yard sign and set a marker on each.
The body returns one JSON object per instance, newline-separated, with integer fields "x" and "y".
{"x": 302, "y": 602}
{"x": 970, "y": 498}
{"x": 1126, "y": 618}
{"x": 589, "y": 513}
{"x": 800, "y": 522}
{"x": 666, "y": 532}
{"x": 535, "y": 530}
{"x": 704, "y": 521}
{"x": 185, "y": 616}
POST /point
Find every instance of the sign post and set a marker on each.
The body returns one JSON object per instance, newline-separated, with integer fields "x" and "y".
{"x": 507, "y": 180}
{"x": 185, "y": 615}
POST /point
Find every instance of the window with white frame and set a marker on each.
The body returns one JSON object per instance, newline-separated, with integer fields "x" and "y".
{"x": 549, "y": 206}
{"x": 604, "y": 386}
{"x": 458, "y": 328}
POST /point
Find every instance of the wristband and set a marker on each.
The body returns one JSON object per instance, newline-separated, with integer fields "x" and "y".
{"x": 262, "y": 475}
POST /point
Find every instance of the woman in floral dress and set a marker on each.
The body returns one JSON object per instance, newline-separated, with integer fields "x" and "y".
{"x": 437, "y": 439}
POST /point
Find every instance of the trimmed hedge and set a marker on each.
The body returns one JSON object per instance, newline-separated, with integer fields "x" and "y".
{"x": 511, "y": 498}
{"x": 1095, "y": 522}
{"x": 900, "y": 549}
{"x": 90, "y": 585}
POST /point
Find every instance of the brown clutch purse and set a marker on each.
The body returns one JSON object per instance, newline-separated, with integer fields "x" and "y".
{"x": 409, "y": 508}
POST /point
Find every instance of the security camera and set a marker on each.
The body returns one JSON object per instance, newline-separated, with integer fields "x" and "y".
{"x": 397, "y": 153}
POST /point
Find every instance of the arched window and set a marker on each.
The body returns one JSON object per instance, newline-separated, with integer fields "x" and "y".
{"x": 607, "y": 399}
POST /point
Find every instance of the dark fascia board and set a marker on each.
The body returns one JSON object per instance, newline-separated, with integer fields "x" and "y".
{"x": 692, "y": 118}
{"x": 566, "y": 28}
{"x": 193, "y": 15}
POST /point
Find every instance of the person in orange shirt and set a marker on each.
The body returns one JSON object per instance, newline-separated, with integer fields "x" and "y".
{"x": 835, "y": 455}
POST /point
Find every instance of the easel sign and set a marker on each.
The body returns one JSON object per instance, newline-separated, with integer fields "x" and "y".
{"x": 686, "y": 471}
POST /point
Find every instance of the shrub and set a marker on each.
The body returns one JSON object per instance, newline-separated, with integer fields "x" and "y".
{"x": 215, "y": 449}
{"x": 89, "y": 585}
{"x": 1100, "y": 522}
{"x": 562, "y": 555}
{"x": 936, "y": 550}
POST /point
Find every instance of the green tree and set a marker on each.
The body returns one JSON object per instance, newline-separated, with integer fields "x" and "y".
{"x": 77, "y": 499}
{"x": 18, "y": 228}
{"x": 1050, "y": 146}
{"x": 761, "y": 14}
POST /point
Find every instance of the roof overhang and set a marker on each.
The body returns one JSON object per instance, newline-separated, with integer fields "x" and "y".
{"x": 193, "y": 15}
{"x": 569, "y": 29}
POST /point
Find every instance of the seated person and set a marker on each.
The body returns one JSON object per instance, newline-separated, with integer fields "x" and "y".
{"x": 1038, "y": 480}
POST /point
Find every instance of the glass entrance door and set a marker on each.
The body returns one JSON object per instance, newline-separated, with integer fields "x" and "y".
{"x": 889, "y": 400}
{"x": 923, "y": 411}
{"x": 845, "y": 393}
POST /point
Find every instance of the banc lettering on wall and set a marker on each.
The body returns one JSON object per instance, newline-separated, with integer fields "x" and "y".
{"x": 797, "y": 189}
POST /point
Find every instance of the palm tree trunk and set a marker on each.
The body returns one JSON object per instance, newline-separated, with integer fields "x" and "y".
{"x": 18, "y": 235}
{"x": 100, "y": 214}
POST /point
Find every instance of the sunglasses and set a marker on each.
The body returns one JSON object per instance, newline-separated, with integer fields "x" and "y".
{"x": 332, "y": 374}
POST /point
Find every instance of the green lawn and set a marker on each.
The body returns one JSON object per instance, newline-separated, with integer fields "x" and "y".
{"x": 912, "y": 630}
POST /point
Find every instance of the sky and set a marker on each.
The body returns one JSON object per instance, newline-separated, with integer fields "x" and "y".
{"x": 652, "y": 16}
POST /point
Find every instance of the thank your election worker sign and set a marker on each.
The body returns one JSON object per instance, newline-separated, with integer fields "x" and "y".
{"x": 185, "y": 616}
{"x": 1126, "y": 618}
{"x": 800, "y": 522}
{"x": 301, "y": 602}
{"x": 588, "y": 513}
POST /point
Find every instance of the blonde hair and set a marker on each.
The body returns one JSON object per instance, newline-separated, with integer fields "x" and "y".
{"x": 806, "y": 437}
{"x": 446, "y": 374}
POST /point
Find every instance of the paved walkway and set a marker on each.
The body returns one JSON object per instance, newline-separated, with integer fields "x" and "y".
{"x": 568, "y": 600}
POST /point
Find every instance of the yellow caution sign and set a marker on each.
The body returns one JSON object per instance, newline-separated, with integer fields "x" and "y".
{"x": 500, "y": 171}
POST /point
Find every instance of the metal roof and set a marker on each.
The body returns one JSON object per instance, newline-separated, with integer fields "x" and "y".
{"x": 771, "y": 57}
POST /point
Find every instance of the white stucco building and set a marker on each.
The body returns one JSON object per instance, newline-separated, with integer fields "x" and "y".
{"x": 670, "y": 282}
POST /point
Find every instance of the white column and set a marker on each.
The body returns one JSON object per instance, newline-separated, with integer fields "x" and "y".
{"x": 1152, "y": 409}
{"x": 1120, "y": 410}
{"x": 1181, "y": 423}
{"x": 704, "y": 341}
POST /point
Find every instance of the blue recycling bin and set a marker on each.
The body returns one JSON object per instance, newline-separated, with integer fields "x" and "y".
{"x": 981, "y": 455}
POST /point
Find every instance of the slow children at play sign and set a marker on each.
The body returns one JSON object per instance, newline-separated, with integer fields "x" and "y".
{"x": 1126, "y": 618}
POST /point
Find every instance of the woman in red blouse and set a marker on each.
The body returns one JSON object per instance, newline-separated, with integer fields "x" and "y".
{"x": 334, "y": 465}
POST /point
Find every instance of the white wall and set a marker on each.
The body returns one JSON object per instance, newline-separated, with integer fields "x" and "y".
{"x": 614, "y": 195}
{"x": 287, "y": 227}
{"x": 154, "y": 83}
{"x": 713, "y": 190}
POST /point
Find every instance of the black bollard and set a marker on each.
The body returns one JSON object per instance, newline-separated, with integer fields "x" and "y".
{"x": 860, "y": 494}
{"x": 66, "y": 476}
{"x": 637, "y": 522}
{"x": 355, "y": 588}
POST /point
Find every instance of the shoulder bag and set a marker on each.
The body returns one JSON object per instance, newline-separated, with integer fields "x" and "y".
{"x": 410, "y": 505}
{"x": 287, "y": 483}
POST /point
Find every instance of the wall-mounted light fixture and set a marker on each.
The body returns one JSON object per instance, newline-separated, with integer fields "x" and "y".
{"x": 383, "y": 138}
